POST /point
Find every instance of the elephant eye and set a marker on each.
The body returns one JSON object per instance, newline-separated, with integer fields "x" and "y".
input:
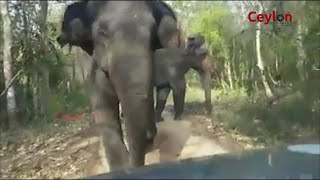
{"x": 104, "y": 29}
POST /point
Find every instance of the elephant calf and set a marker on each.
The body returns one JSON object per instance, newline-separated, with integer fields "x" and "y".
{"x": 170, "y": 67}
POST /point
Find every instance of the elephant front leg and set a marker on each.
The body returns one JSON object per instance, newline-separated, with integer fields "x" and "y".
{"x": 205, "y": 78}
{"x": 107, "y": 121}
{"x": 179, "y": 91}
{"x": 162, "y": 95}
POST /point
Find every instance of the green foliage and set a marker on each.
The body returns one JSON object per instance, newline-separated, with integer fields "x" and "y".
{"x": 37, "y": 60}
{"x": 67, "y": 103}
{"x": 212, "y": 24}
{"x": 220, "y": 24}
{"x": 284, "y": 121}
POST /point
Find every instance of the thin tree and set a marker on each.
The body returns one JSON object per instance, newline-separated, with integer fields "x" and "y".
{"x": 260, "y": 62}
{"x": 44, "y": 89}
{"x": 300, "y": 49}
{"x": 7, "y": 63}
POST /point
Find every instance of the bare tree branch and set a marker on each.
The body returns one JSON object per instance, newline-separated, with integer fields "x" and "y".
{"x": 10, "y": 83}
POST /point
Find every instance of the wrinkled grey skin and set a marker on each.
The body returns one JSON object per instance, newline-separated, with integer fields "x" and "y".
{"x": 118, "y": 40}
{"x": 170, "y": 67}
{"x": 122, "y": 72}
{"x": 194, "y": 43}
{"x": 78, "y": 17}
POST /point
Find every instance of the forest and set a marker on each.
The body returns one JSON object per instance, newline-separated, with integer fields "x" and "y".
{"x": 265, "y": 79}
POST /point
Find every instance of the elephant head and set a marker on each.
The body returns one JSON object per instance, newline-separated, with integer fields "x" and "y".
{"x": 121, "y": 35}
{"x": 78, "y": 20}
{"x": 194, "y": 43}
{"x": 199, "y": 59}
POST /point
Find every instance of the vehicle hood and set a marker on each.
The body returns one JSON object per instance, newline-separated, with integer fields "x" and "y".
{"x": 300, "y": 161}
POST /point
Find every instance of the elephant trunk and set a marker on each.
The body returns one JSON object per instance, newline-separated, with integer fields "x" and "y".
{"x": 205, "y": 78}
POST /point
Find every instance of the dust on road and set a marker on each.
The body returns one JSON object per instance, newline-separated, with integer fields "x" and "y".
{"x": 175, "y": 140}
{"x": 80, "y": 154}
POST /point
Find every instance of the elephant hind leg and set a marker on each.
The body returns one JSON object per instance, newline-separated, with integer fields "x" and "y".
{"x": 162, "y": 95}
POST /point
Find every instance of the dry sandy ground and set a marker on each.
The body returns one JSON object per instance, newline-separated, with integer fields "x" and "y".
{"x": 81, "y": 154}
{"x": 75, "y": 152}
{"x": 175, "y": 140}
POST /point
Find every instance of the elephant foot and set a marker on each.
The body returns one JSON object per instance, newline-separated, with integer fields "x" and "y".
{"x": 209, "y": 108}
{"x": 159, "y": 119}
{"x": 178, "y": 118}
{"x": 151, "y": 135}
{"x": 149, "y": 144}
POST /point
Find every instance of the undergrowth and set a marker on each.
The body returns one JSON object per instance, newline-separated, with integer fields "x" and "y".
{"x": 286, "y": 120}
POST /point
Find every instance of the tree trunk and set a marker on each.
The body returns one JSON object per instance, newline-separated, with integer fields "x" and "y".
{"x": 35, "y": 94}
{"x": 73, "y": 77}
{"x": 44, "y": 89}
{"x": 228, "y": 67}
{"x": 7, "y": 63}
{"x": 233, "y": 61}
{"x": 250, "y": 78}
{"x": 224, "y": 84}
{"x": 4, "y": 123}
{"x": 260, "y": 62}
{"x": 301, "y": 53}
{"x": 277, "y": 64}
{"x": 42, "y": 19}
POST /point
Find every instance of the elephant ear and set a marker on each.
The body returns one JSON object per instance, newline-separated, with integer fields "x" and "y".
{"x": 181, "y": 37}
{"x": 190, "y": 42}
{"x": 190, "y": 46}
{"x": 195, "y": 42}
{"x": 77, "y": 28}
{"x": 168, "y": 32}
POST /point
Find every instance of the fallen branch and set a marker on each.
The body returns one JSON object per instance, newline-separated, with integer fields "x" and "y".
{"x": 52, "y": 47}
{"x": 316, "y": 68}
{"x": 10, "y": 83}
{"x": 271, "y": 78}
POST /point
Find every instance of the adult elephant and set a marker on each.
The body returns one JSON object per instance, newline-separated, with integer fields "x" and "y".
{"x": 79, "y": 16}
{"x": 170, "y": 67}
{"x": 120, "y": 36}
{"x": 76, "y": 31}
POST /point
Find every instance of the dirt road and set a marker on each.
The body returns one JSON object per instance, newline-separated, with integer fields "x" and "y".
{"x": 80, "y": 154}
{"x": 175, "y": 140}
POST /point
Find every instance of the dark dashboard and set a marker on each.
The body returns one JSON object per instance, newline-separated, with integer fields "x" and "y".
{"x": 291, "y": 162}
